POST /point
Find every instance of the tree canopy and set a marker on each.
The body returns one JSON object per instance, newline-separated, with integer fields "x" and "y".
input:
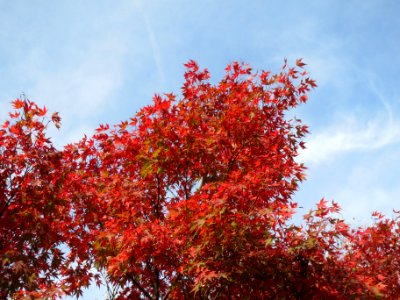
{"x": 191, "y": 198}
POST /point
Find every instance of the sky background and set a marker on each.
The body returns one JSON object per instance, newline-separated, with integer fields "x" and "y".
{"x": 100, "y": 61}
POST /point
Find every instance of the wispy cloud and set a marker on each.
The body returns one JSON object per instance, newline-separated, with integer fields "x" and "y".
{"x": 350, "y": 136}
{"x": 81, "y": 91}
{"x": 361, "y": 192}
{"x": 351, "y": 133}
{"x": 88, "y": 85}
{"x": 153, "y": 41}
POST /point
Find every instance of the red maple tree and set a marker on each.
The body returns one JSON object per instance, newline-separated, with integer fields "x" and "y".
{"x": 189, "y": 199}
{"x": 32, "y": 215}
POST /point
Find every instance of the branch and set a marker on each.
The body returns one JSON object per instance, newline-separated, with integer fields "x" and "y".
{"x": 173, "y": 283}
{"x": 156, "y": 284}
{"x": 7, "y": 203}
{"x": 134, "y": 281}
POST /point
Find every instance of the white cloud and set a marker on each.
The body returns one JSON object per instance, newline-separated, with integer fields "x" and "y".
{"x": 86, "y": 86}
{"x": 369, "y": 187}
{"x": 82, "y": 91}
{"x": 351, "y": 133}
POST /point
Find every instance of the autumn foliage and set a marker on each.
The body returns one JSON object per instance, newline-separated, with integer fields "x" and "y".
{"x": 189, "y": 199}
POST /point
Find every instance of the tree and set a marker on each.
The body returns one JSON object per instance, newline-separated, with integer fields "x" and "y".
{"x": 31, "y": 213}
{"x": 189, "y": 199}
{"x": 39, "y": 219}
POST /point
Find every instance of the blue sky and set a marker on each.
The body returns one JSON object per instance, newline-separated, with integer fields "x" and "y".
{"x": 100, "y": 61}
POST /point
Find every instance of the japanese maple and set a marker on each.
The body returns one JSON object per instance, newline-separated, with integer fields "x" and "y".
{"x": 32, "y": 216}
{"x": 189, "y": 199}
